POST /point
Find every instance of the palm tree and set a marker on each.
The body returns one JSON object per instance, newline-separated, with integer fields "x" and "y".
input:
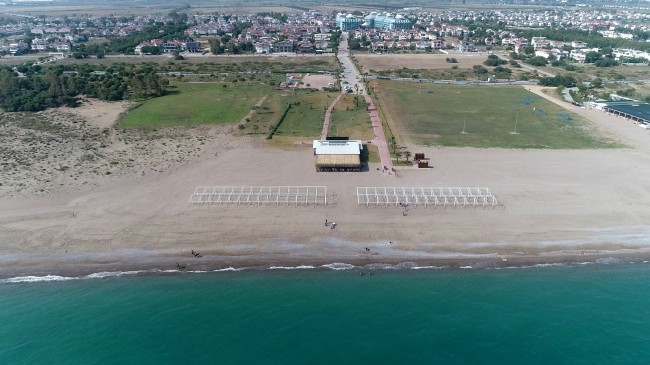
{"x": 398, "y": 154}
{"x": 407, "y": 154}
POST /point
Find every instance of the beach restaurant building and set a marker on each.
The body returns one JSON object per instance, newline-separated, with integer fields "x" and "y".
{"x": 338, "y": 156}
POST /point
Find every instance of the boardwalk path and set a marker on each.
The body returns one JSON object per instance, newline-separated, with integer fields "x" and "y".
{"x": 380, "y": 137}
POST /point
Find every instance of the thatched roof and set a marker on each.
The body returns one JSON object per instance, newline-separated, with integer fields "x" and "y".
{"x": 338, "y": 161}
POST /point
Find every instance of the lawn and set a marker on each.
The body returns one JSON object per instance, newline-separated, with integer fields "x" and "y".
{"x": 197, "y": 103}
{"x": 350, "y": 119}
{"x": 430, "y": 114}
{"x": 306, "y": 115}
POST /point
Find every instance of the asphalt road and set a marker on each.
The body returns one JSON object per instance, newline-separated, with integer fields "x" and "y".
{"x": 350, "y": 75}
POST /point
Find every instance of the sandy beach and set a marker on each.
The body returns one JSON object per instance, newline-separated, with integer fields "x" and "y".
{"x": 557, "y": 206}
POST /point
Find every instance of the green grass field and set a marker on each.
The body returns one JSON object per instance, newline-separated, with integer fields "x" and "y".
{"x": 430, "y": 114}
{"x": 351, "y": 120}
{"x": 197, "y": 103}
{"x": 306, "y": 118}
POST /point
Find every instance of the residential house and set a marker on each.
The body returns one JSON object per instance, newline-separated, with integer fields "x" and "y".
{"x": 193, "y": 47}
{"x": 172, "y": 46}
{"x": 578, "y": 45}
{"x": 305, "y": 47}
{"x": 539, "y": 42}
{"x": 18, "y": 48}
{"x": 465, "y": 46}
{"x": 283, "y": 47}
{"x": 39, "y": 44}
{"x": 262, "y": 47}
{"x": 62, "y": 46}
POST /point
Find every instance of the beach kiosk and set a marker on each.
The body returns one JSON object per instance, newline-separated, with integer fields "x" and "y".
{"x": 338, "y": 156}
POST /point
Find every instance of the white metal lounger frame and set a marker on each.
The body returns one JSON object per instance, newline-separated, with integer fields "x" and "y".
{"x": 426, "y": 196}
{"x": 259, "y": 195}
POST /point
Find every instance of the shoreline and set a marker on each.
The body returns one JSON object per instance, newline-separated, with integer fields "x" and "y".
{"x": 57, "y": 267}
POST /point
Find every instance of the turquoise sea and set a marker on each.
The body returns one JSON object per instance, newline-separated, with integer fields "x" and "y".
{"x": 582, "y": 314}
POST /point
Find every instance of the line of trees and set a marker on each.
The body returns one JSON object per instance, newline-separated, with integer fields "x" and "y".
{"x": 559, "y": 80}
{"x": 127, "y": 44}
{"x": 59, "y": 86}
{"x": 593, "y": 39}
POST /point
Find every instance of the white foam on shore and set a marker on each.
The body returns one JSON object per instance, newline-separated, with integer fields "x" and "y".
{"x": 557, "y": 264}
{"x": 36, "y": 279}
{"x": 230, "y": 268}
{"x": 401, "y": 266}
{"x": 339, "y": 266}
{"x": 97, "y": 275}
{"x": 379, "y": 266}
{"x": 111, "y": 274}
{"x": 291, "y": 267}
{"x": 336, "y": 266}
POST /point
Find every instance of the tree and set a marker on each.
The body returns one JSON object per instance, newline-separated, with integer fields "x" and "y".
{"x": 559, "y": 80}
{"x": 502, "y": 72}
{"x": 592, "y": 57}
{"x": 494, "y": 60}
{"x": 597, "y": 83}
{"x": 154, "y": 50}
{"x": 606, "y": 62}
{"x": 479, "y": 70}
{"x": 537, "y": 61}
{"x": 407, "y": 154}
{"x": 398, "y": 155}
{"x": 529, "y": 50}
{"x": 216, "y": 46}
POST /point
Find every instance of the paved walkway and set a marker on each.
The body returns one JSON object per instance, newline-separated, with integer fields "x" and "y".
{"x": 351, "y": 76}
{"x": 328, "y": 118}
{"x": 380, "y": 137}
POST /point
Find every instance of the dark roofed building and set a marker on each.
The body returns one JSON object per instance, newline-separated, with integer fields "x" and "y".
{"x": 634, "y": 110}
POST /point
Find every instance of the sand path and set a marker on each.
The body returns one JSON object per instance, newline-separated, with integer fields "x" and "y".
{"x": 250, "y": 114}
{"x": 328, "y": 118}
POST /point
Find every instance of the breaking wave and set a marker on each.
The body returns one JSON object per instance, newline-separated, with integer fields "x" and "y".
{"x": 335, "y": 266}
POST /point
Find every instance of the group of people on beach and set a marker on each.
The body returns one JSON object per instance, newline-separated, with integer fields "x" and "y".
{"x": 183, "y": 267}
